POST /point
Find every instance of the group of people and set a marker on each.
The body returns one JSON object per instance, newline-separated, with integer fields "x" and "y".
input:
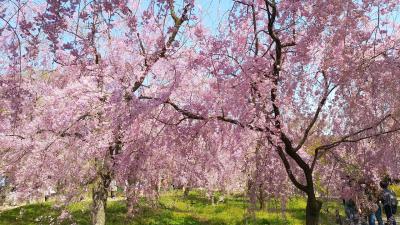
{"x": 367, "y": 202}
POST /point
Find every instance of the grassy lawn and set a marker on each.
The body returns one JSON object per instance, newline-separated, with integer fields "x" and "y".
{"x": 173, "y": 210}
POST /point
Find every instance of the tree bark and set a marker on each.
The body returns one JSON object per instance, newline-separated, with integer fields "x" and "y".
{"x": 131, "y": 199}
{"x": 313, "y": 209}
{"x": 261, "y": 197}
{"x": 99, "y": 204}
{"x": 186, "y": 190}
{"x": 131, "y": 204}
{"x": 252, "y": 200}
{"x": 283, "y": 207}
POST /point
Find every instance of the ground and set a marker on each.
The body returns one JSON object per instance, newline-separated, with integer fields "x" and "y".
{"x": 173, "y": 210}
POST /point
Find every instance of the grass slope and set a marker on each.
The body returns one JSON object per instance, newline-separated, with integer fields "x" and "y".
{"x": 173, "y": 210}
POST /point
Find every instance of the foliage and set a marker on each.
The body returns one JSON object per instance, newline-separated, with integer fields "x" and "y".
{"x": 396, "y": 189}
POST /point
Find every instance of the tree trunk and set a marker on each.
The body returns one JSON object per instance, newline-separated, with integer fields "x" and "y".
{"x": 252, "y": 201}
{"x": 262, "y": 205}
{"x": 313, "y": 210}
{"x": 132, "y": 198}
{"x": 261, "y": 197}
{"x": 186, "y": 190}
{"x": 99, "y": 197}
{"x": 131, "y": 204}
{"x": 283, "y": 207}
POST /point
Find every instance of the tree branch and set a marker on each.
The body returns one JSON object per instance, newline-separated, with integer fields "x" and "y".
{"x": 316, "y": 114}
{"x": 195, "y": 116}
{"x": 351, "y": 138}
{"x": 149, "y": 62}
{"x": 289, "y": 170}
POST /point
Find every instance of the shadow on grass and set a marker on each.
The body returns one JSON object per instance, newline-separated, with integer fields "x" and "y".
{"x": 262, "y": 222}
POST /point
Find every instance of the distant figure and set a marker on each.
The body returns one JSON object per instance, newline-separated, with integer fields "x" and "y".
{"x": 389, "y": 201}
{"x": 350, "y": 209}
{"x": 221, "y": 199}
{"x": 113, "y": 188}
{"x": 339, "y": 219}
{"x": 48, "y": 193}
{"x": 373, "y": 194}
{"x": 368, "y": 203}
{"x": 3, "y": 189}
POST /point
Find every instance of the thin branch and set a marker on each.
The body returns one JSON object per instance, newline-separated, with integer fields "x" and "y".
{"x": 255, "y": 30}
{"x": 195, "y": 116}
{"x": 141, "y": 45}
{"x": 19, "y": 43}
{"x": 316, "y": 114}
{"x": 15, "y": 135}
{"x": 351, "y": 138}
{"x": 63, "y": 133}
{"x": 149, "y": 62}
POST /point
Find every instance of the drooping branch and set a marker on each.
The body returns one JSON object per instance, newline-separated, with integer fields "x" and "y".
{"x": 191, "y": 115}
{"x": 196, "y": 116}
{"x": 352, "y": 138}
{"x": 255, "y": 31}
{"x": 321, "y": 103}
{"x": 293, "y": 154}
{"x": 64, "y": 131}
{"x": 151, "y": 59}
{"x": 15, "y": 135}
{"x": 14, "y": 30}
{"x": 289, "y": 150}
{"x": 142, "y": 49}
{"x": 63, "y": 134}
{"x": 286, "y": 164}
{"x": 289, "y": 170}
{"x": 178, "y": 21}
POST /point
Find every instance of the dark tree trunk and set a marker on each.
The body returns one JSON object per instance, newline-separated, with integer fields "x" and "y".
{"x": 261, "y": 197}
{"x": 262, "y": 204}
{"x": 313, "y": 209}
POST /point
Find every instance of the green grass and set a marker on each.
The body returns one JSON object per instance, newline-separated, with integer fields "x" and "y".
{"x": 173, "y": 210}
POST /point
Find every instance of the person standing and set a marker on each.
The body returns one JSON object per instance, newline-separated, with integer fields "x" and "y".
{"x": 113, "y": 188}
{"x": 373, "y": 194}
{"x": 348, "y": 197}
{"x": 366, "y": 204}
{"x": 378, "y": 214}
{"x": 389, "y": 201}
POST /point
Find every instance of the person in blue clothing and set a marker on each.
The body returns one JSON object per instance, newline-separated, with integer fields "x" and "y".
{"x": 350, "y": 210}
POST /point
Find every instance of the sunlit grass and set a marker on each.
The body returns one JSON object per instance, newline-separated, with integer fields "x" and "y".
{"x": 173, "y": 210}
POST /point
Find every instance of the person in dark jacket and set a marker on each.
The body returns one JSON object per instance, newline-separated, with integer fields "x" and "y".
{"x": 387, "y": 206}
